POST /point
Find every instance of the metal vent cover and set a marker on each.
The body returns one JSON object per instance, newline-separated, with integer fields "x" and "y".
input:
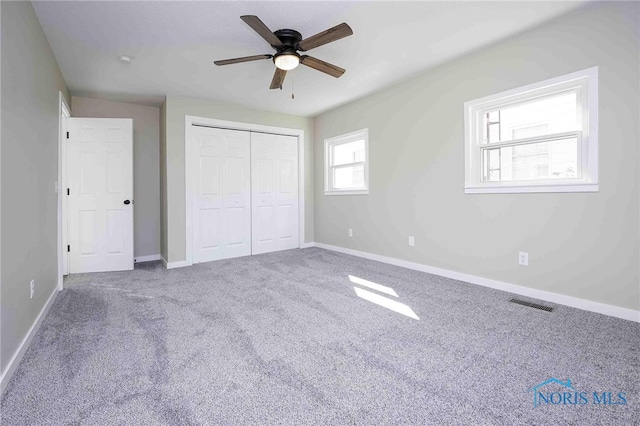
{"x": 531, "y": 305}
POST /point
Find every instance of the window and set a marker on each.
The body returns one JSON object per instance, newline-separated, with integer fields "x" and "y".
{"x": 346, "y": 164}
{"x": 538, "y": 138}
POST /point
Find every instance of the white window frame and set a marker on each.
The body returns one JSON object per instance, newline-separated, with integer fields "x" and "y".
{"x": 339, "y": 140}
{"x": 585, "y": 82}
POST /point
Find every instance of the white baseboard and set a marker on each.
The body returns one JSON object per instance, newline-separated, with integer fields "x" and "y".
{"x": 17, "y": 356}
{"x": 149, "y": 258}
{"x": 183, "y": 263}
{"x": 173, "y": 265}
{"x": 574, "y": 302}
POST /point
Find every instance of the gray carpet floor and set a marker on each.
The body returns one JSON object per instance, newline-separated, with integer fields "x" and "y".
{"x": 283, "y": 338}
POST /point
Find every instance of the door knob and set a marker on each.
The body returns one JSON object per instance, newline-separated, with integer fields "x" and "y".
{"x": 127, "y": 202}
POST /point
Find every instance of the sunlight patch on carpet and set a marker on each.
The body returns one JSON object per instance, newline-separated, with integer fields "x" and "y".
{"x": 385, "y": 302}
{"x": 374, "y": 286}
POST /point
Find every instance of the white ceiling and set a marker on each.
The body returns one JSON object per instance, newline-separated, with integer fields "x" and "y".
{"x": 174, "y": 44}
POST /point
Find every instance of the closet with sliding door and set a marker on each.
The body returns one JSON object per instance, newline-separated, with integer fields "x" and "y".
{"x": 245, "y": 193}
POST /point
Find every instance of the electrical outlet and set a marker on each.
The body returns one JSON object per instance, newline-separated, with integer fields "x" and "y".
{"x": 350, "y": 232}
{"x": 523, "y": 258}
{"x": 32, "y": 288}
{"x": 412, "y": 241}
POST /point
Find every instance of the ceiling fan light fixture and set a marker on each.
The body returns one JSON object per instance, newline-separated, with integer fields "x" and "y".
{"x": 287, "y": 61}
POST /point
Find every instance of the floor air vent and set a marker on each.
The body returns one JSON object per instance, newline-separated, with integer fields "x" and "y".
{"x": 532, "y": 305}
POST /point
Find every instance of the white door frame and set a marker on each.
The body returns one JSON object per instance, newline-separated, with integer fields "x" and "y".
{"x": 63, "y": 259}
{"x": 189, "y": 121}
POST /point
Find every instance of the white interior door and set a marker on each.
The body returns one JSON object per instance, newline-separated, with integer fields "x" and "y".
{"x": 100, "y": 194}
{"x": 274, "y": 192}
{"x": 221, "y": 218}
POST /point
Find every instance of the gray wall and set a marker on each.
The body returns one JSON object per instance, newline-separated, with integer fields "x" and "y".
{"x": 584, "y": 245}
{"x": 173, "y": 167}
{"x": 30, "y": 83}
{"x": 146, "y": 164}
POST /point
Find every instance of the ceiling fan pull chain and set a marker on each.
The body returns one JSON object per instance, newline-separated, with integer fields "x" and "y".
{"x": 293, "y": 96}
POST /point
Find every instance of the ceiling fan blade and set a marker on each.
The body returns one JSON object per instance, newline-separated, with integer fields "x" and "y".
{"x": 278, "y": 79}
{"x": 327, "y": 36}
{"x": 323, "y": 66}
{"x": 243, "y": 59}
{"x": 258, "y": 26}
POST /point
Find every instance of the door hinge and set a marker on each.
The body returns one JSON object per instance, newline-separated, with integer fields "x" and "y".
{"x": 68, "y": 192}
{"x": 67, "y": 135}
{"x": 68, "y": 248}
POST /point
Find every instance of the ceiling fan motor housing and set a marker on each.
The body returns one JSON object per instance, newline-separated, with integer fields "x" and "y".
{"x": 289, "y": 39}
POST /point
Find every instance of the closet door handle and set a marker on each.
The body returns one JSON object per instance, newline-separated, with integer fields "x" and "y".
{"x": 127, "y": 202}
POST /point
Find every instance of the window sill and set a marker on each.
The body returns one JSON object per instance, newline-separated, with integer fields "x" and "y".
{"x": 349, "y": 192}
{"x": 517, "y": 189}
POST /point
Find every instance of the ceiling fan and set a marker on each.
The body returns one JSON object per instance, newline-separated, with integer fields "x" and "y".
{"x": 287, "y": 43}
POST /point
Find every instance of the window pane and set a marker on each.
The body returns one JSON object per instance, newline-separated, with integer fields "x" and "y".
{"x": 494, "y": 132}
{"x": 542, "y": 160}
{"x": 493, "y": 165}
{"x": 555, "y": 113}
{"x": 348, "y": 177}
{"x": 351, "y": 152}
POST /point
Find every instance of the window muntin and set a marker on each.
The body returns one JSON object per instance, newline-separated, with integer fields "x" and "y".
{"x": 346, "y": 165}
{"x": 538, "y": 138}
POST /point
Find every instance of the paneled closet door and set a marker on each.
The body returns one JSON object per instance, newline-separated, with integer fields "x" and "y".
{"x": 274, "y": 192}
{"x": 222, "y": 201}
